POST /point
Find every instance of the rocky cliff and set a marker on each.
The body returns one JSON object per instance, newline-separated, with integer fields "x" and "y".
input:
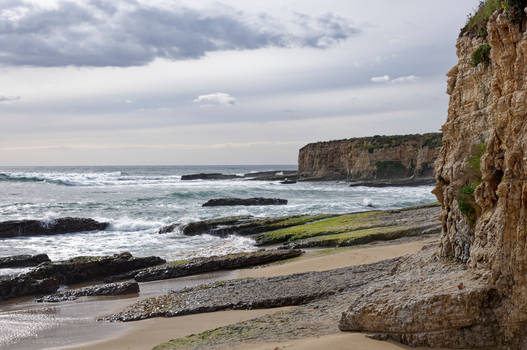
{"x": 377, "y": 157}
{"x": 472, "y": 293}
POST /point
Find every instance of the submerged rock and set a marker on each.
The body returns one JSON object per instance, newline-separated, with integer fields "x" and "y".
{"x": 395, "y": 182}
{"x": 15, "y": 228}
{"x": 99, "y": 290}
{"x": 209, "y": 176}
{"x": 23, "y": 260}
{"x": 214, "y": 263}
{"x": 244, "y": 201}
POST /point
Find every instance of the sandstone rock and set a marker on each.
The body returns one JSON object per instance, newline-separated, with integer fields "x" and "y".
{"x": 23, "y": 260}
{"x": 367, "y": 158}
{"x": 244, "y": 201}
{"x": 122, "y": 288}
{"x": 17, "y": 228}
{"x": 481, "y": 172}
{"x": 209, "y": 176}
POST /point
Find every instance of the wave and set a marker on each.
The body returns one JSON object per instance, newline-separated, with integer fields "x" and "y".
{"x": 15, "y": 178}
{"x": 91, "y": 179}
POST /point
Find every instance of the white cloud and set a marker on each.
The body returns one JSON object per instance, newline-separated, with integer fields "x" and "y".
{"x": 9, "y": 98}
{"x": 398, "y": 80}
{"x": 217, "y": 98}
{"x": 383, "y": 79}
{"x": 405, "y": 79}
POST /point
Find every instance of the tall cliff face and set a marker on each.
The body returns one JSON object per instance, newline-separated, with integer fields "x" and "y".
{"x": 471, "y": 292}
{"x": 377, "y": 157}
{"x": 485, "y": 152}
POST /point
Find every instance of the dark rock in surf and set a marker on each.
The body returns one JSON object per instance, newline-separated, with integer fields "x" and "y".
{"x": 244, "y": 201}
{"x": 209, "y": 176}
{"x": 16, "y": 228}
{"x": 276, "y": 175}
{"x": 205, "y": 226}
{"x": 288, "y": 182}
{"x": 122, "y": 288}
{"x": 23, "y": 260}
{"x": 214, "y": 263}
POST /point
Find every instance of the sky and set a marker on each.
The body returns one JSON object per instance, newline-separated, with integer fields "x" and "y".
{"x": 161, "y": 82}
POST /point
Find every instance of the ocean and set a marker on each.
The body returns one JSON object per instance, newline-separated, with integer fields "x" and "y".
{"x": 138, "y": 200}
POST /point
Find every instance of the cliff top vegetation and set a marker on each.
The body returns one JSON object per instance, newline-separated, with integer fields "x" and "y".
{"x": 386, "y": 141}
{"x": 477, "y": 22}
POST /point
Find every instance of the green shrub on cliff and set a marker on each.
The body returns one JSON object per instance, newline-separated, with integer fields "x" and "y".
{"x": 481, "y": 55}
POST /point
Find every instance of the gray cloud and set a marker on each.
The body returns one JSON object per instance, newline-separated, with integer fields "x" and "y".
{"x": 128, "y": 33}
{"x": 9, "y": 98}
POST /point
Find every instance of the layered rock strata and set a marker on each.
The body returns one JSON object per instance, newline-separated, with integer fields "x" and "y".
{"x": 367, "y": 158}
{"x": 482, "y": 186}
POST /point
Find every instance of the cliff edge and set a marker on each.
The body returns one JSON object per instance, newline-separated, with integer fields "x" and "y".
{"x": 472, "y": 292}
{"x": 367, "y": 158}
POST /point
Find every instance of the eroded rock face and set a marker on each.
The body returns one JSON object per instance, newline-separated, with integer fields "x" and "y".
{"x": 482, "y": 186}
{"x": 16, "y": 228}
{"x": 378, "y": 157}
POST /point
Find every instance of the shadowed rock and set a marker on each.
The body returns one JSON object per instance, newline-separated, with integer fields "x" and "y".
{"x": 17, "y": 228}
{"x": 395, "y": 182}
{"x": 23, "y": 260}
{"x": 214, "y": 263}
{"x": 99, "y": 290}
{"x": 244, "y": 201}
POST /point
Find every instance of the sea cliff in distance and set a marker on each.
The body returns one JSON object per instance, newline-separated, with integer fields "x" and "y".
{"x": 371, "y": 158}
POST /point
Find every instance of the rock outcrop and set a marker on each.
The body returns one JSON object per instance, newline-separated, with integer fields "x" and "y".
{"x": 16, "y": 228}
{"x": 482, "y": 186}
{"x": 367, "y": 158}
{"x": 109, "y": 289}
{"x": 210, "y": 176}
{"x": 48, "y": 276}
{"x": 216, "y": 202}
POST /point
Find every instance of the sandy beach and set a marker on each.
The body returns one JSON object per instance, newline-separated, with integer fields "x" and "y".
{"x": 148, "y": 333}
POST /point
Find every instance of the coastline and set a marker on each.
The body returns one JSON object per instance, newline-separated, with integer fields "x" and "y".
{"x": 148, "y": 333}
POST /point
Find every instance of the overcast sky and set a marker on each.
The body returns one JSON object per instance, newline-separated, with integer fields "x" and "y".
{"x": 99, "y": 82}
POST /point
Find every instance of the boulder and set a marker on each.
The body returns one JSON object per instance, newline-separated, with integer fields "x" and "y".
{"x": 16, "y": 228}
{"x": 23, "y": 260}
{"x": 244, "y": 201}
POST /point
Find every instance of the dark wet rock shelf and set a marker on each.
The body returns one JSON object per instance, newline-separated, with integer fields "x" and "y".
{"x": 244, "y": 201}
{"x": 23, "y": 260}
{"x": 214, "y": 263}
{"x": 16, "y": 228}
{"x": 422, "y": 181}
{"x": 47, "y": 277}
{"x": 122, "y": 288}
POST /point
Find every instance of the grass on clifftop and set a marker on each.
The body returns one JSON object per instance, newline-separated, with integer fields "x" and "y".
{"x": 339, "y": 224}
{"x": 477, "y": 23}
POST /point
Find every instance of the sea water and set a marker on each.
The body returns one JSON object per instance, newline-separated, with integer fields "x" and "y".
{"x": 138, "y": 201}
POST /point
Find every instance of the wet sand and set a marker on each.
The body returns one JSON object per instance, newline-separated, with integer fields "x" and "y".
{"x": 148, "y": 333}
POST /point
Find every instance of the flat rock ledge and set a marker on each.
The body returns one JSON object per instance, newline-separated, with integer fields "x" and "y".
{"x": 214, "y": 263}
{"x": 23, "y": 260}
{"x": 420, "y": 181}
{"x": 279, "y": 291}
{"x": 17, "y": 228}
{"x": 244, "y": 201}
{"x": 121, "y": 288}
